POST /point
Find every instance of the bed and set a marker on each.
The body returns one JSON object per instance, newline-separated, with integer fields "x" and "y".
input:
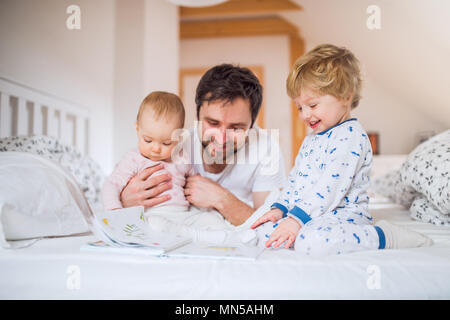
{"x": 55, "y": 268}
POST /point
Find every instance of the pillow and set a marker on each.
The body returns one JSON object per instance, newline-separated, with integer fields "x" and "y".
{"x": 390, "y": 185}
{"x": 87, "y": 172}
{"x": 386, "y": 163}
{"x": 422, "y": 184}
{"x": 421, "y": 209}
{"x": 38, "y": 198}
{"x": 427, "y": 171}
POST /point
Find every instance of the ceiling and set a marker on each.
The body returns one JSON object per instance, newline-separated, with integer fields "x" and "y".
{"x": 408, "y": 57}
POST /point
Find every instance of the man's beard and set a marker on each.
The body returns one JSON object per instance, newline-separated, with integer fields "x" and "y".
{"x": 218, "y": 155}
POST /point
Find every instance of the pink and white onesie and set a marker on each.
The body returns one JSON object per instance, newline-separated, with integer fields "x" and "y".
{"x": 174, "y": 215}
{"x": 133, "y": 163}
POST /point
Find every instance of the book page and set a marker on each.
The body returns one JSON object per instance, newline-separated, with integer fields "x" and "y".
{"x": 127, "y": 227}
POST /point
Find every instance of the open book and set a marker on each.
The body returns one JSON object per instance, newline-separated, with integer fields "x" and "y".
{"x": 125, "y": 231}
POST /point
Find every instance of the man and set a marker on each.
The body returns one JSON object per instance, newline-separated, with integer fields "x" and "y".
{"x": 237, "y": 167}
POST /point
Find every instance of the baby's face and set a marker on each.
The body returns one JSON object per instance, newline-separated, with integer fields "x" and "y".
{"x": 155, "y": 136}
{"x": 321, "y": 112}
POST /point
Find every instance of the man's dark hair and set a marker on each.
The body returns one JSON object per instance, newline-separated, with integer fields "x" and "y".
{"x": 226, "y": 82}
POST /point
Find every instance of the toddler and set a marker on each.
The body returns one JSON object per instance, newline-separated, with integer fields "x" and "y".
{"x": 160, "y": 115}
{"x": 324, "y": 208}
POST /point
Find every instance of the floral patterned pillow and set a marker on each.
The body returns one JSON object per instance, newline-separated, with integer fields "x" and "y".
{"x": 422, "y": 184}
{"x": 391, "y": 186}
{"x": 421, "y": 209}
{"x": 87, "y": 172}
{"x": 427, "y": 171}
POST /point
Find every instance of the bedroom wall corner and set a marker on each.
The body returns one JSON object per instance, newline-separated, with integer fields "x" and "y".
{"x": 146, "y": 59}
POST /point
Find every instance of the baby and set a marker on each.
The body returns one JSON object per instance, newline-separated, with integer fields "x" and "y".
{"x": 324, "y": 208}
{"x": 161, "y": 115}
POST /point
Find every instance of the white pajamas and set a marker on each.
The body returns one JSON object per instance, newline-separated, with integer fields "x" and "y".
{"x": 327, "y": 192}
{"x": 191, "y": 217}
{"x": 202, "y": 225}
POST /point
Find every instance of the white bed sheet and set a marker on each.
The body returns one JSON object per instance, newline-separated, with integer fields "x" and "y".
{"x": 45, "y": 271}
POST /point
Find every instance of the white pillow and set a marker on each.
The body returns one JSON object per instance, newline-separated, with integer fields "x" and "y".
{"x": 38, "y": 198}
{"x": 386, "y": 163}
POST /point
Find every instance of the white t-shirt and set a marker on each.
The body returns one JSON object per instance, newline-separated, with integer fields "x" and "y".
{"x": 258, "y": 165}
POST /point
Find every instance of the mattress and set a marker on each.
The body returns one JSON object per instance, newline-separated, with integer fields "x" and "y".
{"x": 55, "y": 268}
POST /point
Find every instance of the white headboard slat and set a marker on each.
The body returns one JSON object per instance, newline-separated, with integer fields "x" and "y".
{"x": 37, "y": 119}
{"x": 5, "y": 116}
{"x": 64, "y": 120}
{"x": 22, "y": 119}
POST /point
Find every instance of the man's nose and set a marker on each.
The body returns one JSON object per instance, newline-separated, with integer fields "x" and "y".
{"x": 221, "y": 136}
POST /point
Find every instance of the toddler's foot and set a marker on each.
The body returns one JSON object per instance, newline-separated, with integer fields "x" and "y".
{"x": 399, "y": 237}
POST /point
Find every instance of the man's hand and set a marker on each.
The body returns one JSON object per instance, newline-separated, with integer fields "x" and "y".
{"x": 287, "y": 231}
{"x": 143, "y": 191}
{"x": 203, "y": 192}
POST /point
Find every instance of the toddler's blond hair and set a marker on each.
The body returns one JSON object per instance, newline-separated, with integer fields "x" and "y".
{"x": 163, "y": 104}
{"x": 327, "y": 69}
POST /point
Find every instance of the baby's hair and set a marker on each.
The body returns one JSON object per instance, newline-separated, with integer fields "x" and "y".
{"x": 163, "y": 104}
{"x": 327, "y": 69}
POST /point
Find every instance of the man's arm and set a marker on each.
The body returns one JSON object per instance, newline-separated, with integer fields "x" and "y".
{"x": 236, "y": 211}
{"x": 205, "y": 193}
{"x": 233, "y": 209}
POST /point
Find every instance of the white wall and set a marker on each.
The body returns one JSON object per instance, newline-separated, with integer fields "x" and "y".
{"x": 389, "y": 113}
{"x": 146, "y": 60}
{"x": 271, "y": 52}
{"x": 399, "y": 125}
{"x": 124, "y": 50}
{"x": 404, "y": 62}
{"x": 37, "y": 50}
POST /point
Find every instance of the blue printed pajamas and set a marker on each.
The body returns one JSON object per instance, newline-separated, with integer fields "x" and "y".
{"x": 327, "y": 192}
{"x": 326, "y": 235}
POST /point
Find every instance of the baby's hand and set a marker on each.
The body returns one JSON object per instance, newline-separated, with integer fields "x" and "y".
{"x": 273, "y": 215}
{"x": 287, "y": 231}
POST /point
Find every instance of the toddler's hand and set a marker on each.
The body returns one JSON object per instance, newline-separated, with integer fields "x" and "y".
{"x": 287, "y": 231}
{"x": 273, "y": 215}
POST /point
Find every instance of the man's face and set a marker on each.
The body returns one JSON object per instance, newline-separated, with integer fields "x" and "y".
{"x": 223, "y": 128}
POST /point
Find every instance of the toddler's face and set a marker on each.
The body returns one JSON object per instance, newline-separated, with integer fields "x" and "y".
{"x": 321, "y": 112}
{"x": 155, "y": 136}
